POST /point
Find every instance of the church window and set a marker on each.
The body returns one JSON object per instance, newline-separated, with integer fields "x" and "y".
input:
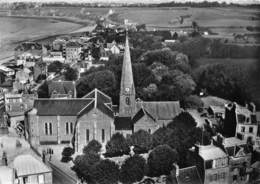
{"x": 67, "y": 128}
{"x": 71, "y": 127}
{"x": 50, "y": 128}
{"x": 149, "y": 130}
{"x": 127, "y": 101}
{"x": 87, "y": 135}
{"x": 103, "y": 135}
{"x": 46, "y": 128}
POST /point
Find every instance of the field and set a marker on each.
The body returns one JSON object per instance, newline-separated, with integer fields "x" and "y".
{"x": 18, "y": 29}
{"x": 250, "y": 66}
{"x": 219, "y": 20}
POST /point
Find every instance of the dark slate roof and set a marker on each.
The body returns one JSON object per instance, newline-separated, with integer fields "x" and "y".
{"x": 189, "y": 175}
{"x": 142, "y": 112}
{"x": 160, "y": 110}
{"x": 73, "y": 44}
{"x": 123, "y": 123}
{"x": 62, "y": 87}
{"x": 101, "y": 102}
{"x": 62, "y": 107}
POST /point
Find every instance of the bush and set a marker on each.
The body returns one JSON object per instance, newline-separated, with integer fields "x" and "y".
{"x": 106, "y": 171}
{"x": 141, "y": 140}
{"x": 117, "y": 146}
{"x": 84, "y": 164}
{"x": 133, "y": 169}
{"x": 93, "y": 145}
{"x": 66, "y": 159}
{"x": 66, "y": 154}
{"x": 193, "y": 102}
{"x": 160, "y": 160}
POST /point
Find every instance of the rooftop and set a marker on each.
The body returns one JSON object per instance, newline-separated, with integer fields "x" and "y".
{"x": 214, "y": 101}
{"x": 6, "y": 175}
{"x": 233, "y": 141}
{"x": 28, "y": 165}
{"x": 62, "y": 107}
{"x": 160, "y": 110}
{"x": 189, "y": 175}
{"x": 211, "y": 152}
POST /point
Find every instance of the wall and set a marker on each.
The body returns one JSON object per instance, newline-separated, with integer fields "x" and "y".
{"x": 147, "y": 124}
{"x": 95, "y": 121}
{"x": 217, "y": 176}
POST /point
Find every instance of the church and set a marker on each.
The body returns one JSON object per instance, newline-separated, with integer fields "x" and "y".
{"x": 79, "y": 120}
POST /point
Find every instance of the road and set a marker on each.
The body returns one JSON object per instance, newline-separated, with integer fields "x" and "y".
{"x": 60, "y": 177}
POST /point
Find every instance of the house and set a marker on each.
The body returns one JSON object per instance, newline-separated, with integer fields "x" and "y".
{"x": 24, "y": 76}
{"x": 113, "y": 48}
{"x": 16, "y": 104}
{"x": 241, "y": 122}
{"x": 7, "y": 175}
{"x": 54, "y": 56}
{"x": 212, "y": 164}
{"x": 239, "y": 156}
{"x": 31, "y": 170}
{"x": 73, "y": 51}
{"x": 62, "y": 89}
{"x": 185, "y": 175}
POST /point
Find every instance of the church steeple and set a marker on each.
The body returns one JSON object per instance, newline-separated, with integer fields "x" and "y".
{"x": 127, "y": 88}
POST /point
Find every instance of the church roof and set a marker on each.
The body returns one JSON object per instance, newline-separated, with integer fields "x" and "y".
{"x": 160, "y": 110}
{"x": 62, "y": 87}
{"x": 141, "y": 113}
{"x": 127, "y": 80}
{"x": 123, "y": 123}
{"x": 101, "y": 101}
{"x": 62, "y": 107}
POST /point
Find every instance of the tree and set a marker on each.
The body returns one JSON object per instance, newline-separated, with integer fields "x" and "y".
{"x": 141, "y": 140}
{"x": 93, "y": 146}
{"x": 225, "y": 81}
{"x": 43, "y": 90}
{"x": 84, "y": 165}
{"x": 106, "y": 171}
{"x": 193, "y": 102}
{"x": 117, "y": 146}
{"x": 56, "y": 67}
{"x": 133, "y": 169}
{"x": 103, "y": 80}
{"x": 66, "y": 154}
{"x": 161, "y": 136}
{"x": 160, "y": 160}
{"x": 70, "y": 74}
{"x": 176, "y": 85}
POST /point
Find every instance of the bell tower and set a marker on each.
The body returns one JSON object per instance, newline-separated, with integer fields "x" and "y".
{"x": 127, "y": 88}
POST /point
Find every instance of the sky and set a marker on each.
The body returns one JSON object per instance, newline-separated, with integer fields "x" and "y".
{"x": 135, "y": 1}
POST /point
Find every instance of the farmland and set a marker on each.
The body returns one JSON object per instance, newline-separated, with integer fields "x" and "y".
{"x": 224, "y": 20}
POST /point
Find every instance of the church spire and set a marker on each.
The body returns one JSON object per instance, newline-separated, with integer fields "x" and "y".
{"x": 127, "y": 89}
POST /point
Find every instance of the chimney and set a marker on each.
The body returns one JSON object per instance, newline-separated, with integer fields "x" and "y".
{"x": 252, "y": 107}
{"x": 220, "y": 139}
{"x": 197, "y": 149}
